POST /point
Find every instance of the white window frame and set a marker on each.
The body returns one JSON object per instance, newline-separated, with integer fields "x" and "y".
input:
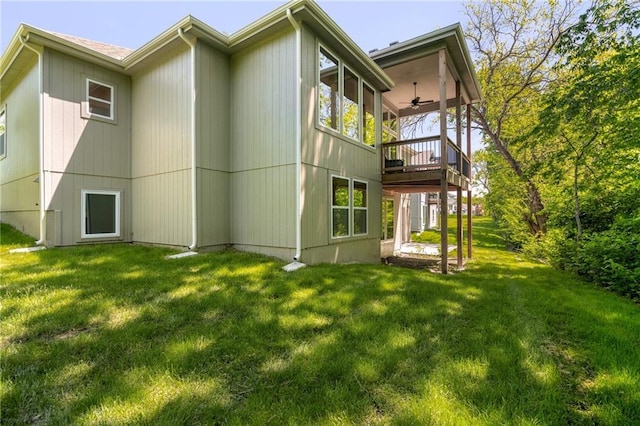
{"x": 83, "y": 213}
{"x": 365, "y": 208}
{"x": 386, "y": 128}
{"x": 3, "y": 113}
{"x": 340, "y": 131}
{"x": 347, "y": 207}
{"x": 88, "y": 99}
{"x": 385, "y": 223}
{"x": 350, "y": 208}
{"x": 343, "y": 97}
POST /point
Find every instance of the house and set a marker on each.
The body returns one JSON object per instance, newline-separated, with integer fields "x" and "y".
{"x": 424, "y": 211}
{"x": 270, "y": 140}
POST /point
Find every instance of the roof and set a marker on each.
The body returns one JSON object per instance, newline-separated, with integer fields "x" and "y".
{"x": 128, "y": 61}
{"x": 116, "y": 52}
{"x": 450, "y": 37}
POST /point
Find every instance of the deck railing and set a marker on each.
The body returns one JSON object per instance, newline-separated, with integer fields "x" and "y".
{"x": 422, "y": 154}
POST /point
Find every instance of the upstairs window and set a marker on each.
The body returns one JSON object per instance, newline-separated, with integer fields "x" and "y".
{"x": 328, "y": 87}
{"x": 99, "y": 100}
{"x": 346, "y": 104}
{"x": 3, "y": 133}
{"x": 350, "y": 110}
{"x": 389, "y": 125}
{"x": 368, "y": 115}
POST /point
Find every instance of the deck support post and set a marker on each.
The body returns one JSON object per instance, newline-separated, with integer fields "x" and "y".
{"x": 398, "y": 224}
{"x": 444, "y": 184}
{"x": 469, "y": 200}
{"x": 459, "y": 234}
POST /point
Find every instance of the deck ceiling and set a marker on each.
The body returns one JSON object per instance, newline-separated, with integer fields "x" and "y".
{"x": 423, "y": 71}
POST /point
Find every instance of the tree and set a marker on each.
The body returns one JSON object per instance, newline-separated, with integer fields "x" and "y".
{"x": 592, "y": 114}
{"x": 592, "y": 117}
{"x": 480, "y": 171}
{"x": 513, "y": 42}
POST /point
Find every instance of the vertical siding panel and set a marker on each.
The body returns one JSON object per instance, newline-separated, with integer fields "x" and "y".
{"x": 19, "y": 194}
{"x": 263, "y": 153}
{"x": 213, "y": 122}
{"x": 160, "y": 159}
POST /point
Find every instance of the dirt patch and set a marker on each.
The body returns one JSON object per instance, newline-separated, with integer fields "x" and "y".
{"x": 421, "y": 263}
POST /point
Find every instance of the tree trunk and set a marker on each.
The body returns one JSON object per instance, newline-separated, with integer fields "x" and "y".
{"x": 576, "y": 201}
{"x": 536, "y": 220}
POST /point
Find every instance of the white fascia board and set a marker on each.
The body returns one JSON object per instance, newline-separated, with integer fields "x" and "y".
{"x": 450, "y": 37}
{"x": 338, "y": 33}
{"x": 47, "y": 39}
{"x": 189, "y": 24}
{"x": 310, "y": 13}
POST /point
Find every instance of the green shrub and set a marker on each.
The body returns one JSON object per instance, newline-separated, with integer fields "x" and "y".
{"x": 610, "y": 258}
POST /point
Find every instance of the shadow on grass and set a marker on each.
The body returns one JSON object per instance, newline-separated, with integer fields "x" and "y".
{"x": 119, "y": 335}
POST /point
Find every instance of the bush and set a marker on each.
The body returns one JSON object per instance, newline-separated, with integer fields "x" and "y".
{"x": 610, "y": 258}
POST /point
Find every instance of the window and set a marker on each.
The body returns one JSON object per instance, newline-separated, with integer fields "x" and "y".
{"x": 387, "y": 219}
{"x": 389, "y": 125}
{"x": 3, "y": 133}
{"x": 100, "y": 214}
{"x": 340, "y": 207}
{"x": 349, "y": 207}
{"x": 350, "y": 110}
{"x": 99, "y": 100}
{"x": 359, "y": 208}
{"x": 328, "y": 87}
{"x": 368, "y": 116}
{"x": 346, "y": 104}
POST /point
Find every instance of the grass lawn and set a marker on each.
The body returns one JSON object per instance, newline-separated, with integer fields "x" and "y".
{"x": 117, "y": 335}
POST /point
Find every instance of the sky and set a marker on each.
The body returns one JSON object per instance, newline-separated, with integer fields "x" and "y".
{"x": 371, "y": 24}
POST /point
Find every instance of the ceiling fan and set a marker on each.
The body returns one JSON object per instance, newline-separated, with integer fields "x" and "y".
{"x": 416, "y": 102}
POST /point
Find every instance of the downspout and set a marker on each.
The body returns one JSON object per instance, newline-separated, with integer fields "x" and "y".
{"x": 298, "y": 131}
{"x": 43, "y": 221}
{"x": 194, "y": 191}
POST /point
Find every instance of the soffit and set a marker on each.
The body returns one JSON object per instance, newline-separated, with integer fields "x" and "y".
{"x": 418, "y": 60}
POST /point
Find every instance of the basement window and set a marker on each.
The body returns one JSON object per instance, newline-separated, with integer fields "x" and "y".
{"x": 100, "y": 214}
{"x": 99, "y": 101}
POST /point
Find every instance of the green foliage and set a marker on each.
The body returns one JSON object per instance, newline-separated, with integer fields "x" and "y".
{"x": 506, "y": 200}
{"x": 610, "y": 258}
{"x": 574, "y": 133}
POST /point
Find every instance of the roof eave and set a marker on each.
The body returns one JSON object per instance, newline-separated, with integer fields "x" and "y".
{"x": 46, "y": 39}
{"x": 435, "y": 40}
{"x": 189, "y": 24}
{"x": 334, "y": 29}
{"x": 308, "y": 11}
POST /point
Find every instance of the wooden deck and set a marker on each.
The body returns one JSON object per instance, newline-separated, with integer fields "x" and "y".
{"x": 416, "y": 166}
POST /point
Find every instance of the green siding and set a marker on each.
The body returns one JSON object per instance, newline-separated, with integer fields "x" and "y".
{"x": 19, "y": 194}
{"x": 213, "y": 138}
{"x": 83, "y": 153}
{"x": 323, "y": 155}
{"x": 161, "y": 151}
{"x": 263, "y": 111}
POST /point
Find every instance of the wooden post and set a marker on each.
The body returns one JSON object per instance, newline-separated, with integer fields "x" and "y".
{"x": 444, "y": 185}
{"x": 459, "y": 234}
{"x": 469, "y": 202}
